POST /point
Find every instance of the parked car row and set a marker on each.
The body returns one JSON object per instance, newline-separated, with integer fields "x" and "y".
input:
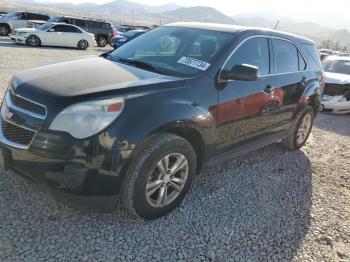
{"x": 102, "y": 30}
{"x": 121, "y": 40}
{"x": 324, "y": 53}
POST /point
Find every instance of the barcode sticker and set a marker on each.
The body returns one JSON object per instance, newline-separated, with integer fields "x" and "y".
{"x": 201, "y": 65}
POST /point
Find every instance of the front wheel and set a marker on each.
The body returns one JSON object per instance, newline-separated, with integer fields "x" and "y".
{"x": 299, "y": 133}
{"x": 159, "y": 177}
{"x": 83, "y": 45}
{"x": 33, "y": 41}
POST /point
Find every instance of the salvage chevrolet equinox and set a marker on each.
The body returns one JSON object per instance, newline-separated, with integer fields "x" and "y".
{"x": 139, "y": 122}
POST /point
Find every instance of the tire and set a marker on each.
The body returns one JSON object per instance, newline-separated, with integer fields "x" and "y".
{"x": 102, "y": 41}
{"x": 83, "y": 45}
{"x": 33, "y": 41}
{"x": 4, "y": 30}
{"x": 145, "y": 171}
{"x": 294, "y": 140}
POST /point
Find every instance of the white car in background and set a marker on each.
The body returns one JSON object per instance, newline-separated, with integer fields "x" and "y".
{"x": 336, "y": 96}
{"x": 54, "y": 34}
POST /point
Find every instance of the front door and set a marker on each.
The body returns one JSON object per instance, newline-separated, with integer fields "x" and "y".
{"x": 246, "y": 107}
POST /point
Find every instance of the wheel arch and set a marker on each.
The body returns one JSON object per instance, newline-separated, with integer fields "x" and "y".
{"x": 312, "y": 97}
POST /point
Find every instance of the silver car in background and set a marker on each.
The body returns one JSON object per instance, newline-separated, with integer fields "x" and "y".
{"x": 16, "y": 20}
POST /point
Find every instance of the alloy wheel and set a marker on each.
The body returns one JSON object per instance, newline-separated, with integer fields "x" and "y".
{"x": 167, "y": 180}
{"x": 102, "y": 41}
{"x": 304, "y": 128}
{"x": 4, "y": 31}
{"x": 33, "y": 41}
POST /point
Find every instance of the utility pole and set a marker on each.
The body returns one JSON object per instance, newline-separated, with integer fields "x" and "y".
{"x": 132, "y": 17}
{"x": 160, "y": 21}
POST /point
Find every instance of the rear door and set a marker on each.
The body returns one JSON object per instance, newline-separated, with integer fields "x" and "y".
{"x": 246, "y": 107}
{"x": 290, "y": 68}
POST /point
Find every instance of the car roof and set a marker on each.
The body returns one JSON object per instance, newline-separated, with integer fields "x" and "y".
{"x": 335, "y": 57}
{"x": 239, "y": 28}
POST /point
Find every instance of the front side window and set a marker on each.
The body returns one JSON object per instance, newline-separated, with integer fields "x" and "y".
{"x": 286, "y": 56}
{"x": 254, "y": 52}
{"x": 175, "y": 51}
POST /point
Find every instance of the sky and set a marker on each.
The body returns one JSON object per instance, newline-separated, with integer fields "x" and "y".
{"x": 313, "y": 9}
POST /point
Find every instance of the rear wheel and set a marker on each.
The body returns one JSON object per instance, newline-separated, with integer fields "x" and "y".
{"x": 299, "y": 133}
{"x": 33, "y": 41}
{"x": 159, "y": 177}
{"x": 102, "y": 41}
{"x": 83, "y": 45}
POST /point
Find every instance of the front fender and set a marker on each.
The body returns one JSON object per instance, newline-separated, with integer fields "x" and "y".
{"x": 143, "y": 120}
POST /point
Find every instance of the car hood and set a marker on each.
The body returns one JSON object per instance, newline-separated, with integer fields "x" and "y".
{"x": 335, "y": 78}
{"x": 26, "y": 30}
{"x": 88, "y": 77}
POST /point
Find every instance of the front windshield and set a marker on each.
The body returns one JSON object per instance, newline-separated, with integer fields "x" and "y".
{"x": 44, "y": 26}
{"x": 337, "y": 66}
{"x": 176, "y": 51}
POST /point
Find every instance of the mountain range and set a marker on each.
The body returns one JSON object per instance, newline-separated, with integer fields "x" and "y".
{"x": 128, "y": 12}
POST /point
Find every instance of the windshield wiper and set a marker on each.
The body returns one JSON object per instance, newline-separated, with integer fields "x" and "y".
{"x": 140, "y": 64}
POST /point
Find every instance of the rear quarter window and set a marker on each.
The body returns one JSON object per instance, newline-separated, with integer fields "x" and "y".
{"x": 313, "y": 53}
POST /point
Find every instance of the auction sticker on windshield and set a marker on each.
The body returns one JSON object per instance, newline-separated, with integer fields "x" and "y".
{"x": 201, "y": 65}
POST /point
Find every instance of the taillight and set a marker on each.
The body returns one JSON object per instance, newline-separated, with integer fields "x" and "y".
{"x": 113, "y": 33}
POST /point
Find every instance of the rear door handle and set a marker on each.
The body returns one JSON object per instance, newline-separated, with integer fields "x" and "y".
{"x": 268, "y": 89}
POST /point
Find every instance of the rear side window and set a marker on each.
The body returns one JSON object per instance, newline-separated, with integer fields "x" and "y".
{"x": 96, "y": 24}
{"x": 80, "y": 23}
{"x": 33, "y": 16}
{"x": 313, "y": 52}
{"x": 286, "y": 56}
{"x": 66, "y": 29}
{"x": 255, "y": 52}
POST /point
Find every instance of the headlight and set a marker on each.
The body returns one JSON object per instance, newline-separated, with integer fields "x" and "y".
{"x": 88, "y": 118}
{"x": 122, "y": 40}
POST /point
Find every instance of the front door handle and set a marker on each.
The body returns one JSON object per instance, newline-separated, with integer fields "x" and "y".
{"x": 268, "y": 89}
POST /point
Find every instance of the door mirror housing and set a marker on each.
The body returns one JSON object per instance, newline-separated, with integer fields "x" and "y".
{"x": 243, "y": 72}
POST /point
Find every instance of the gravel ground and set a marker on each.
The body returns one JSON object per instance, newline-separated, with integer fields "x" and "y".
{"x": 270, "y": 205}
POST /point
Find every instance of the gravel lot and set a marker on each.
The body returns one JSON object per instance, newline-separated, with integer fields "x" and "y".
{"x": 271, "y": 205}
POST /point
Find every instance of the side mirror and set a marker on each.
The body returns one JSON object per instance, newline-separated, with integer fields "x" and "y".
{"x": 243, "y": 72}
{"x": 51, "y": 30}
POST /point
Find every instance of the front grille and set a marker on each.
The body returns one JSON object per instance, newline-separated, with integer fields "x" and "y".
{"x": 17, "y": 134}
{"x": 27, "y": 105}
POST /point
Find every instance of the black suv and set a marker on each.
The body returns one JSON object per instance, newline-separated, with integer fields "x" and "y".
{"x": 102, "y": 30}
{"x": 142, "y": 120}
